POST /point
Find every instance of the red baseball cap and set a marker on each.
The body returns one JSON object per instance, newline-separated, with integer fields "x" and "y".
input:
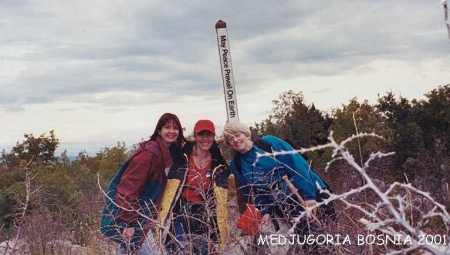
{"x": 204, "y": 125}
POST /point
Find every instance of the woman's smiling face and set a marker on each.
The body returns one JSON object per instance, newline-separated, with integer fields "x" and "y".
{"x": 169, "y": 132}
{"x": 204, "y": 140}
{"x": 239, "y": 142}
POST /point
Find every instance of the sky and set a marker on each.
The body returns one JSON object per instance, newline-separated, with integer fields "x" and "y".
{"x": 102, "y": 71}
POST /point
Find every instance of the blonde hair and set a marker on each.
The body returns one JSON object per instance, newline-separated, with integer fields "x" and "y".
{"x": 234, "y": 126}
{"x": 230, "y": 129}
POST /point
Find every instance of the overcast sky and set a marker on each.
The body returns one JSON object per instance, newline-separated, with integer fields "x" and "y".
{"x": 102, "y": 71}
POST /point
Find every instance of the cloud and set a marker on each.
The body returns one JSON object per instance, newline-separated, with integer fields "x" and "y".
{"x": 63, "y": 51}
{"x": 348, "y": 35}
{"x": 97, "y": 69}
{"x": 322, "y": 91}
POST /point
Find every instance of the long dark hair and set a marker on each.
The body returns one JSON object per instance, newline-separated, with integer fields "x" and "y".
{"x": 166, "y": 117}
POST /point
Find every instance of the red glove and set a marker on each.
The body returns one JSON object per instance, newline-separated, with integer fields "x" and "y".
{"x": 250, "y": 220}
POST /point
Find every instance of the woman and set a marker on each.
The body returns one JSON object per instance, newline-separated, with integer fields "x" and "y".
{"x": 138, "y": 186}
{"x": 199, "y": 212}
{"x": 274, "y": 186}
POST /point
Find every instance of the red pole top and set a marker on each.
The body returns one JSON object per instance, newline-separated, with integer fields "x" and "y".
{"x": 221, "y": 24}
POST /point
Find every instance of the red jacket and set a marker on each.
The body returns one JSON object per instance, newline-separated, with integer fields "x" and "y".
{"x": 147, "y": 167}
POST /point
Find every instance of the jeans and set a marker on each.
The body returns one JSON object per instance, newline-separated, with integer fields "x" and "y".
{"x": 186, "y": 237}
{"x": 191, "y": 227}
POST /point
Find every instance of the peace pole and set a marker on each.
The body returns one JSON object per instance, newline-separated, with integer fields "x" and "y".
{"x": 229, "y": 88}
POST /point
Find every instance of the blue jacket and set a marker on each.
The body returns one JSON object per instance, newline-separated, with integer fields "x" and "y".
{"x": 260, "y": 176}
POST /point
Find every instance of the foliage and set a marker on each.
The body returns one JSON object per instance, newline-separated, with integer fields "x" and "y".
{"x": 60, "y": 186}
{"x": 356, "y": 117}
{"x": 297, "y": 123}
{"x": 39, "y": 149}
{"x": 291, "y": 119}
{"x": 66, "y": 191}
{"x": 104, "y": 162}
{"x": 421, "y": 136}
{"x": 417, "y": 130}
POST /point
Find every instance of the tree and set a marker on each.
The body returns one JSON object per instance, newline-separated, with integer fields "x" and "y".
{"x": 401, "y": 117}
{"x": 435, "y": 117}
{"x": 356, "y": 117}
{"x": 105, "y": 162}
{"x": 293, "y": 120}
{"x": 300, "y": 125}
{"x": 39, "y": 149}
{"x": 421, "y": 137}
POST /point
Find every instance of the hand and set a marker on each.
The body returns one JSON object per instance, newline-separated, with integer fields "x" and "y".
{"x": 127, "y": 233}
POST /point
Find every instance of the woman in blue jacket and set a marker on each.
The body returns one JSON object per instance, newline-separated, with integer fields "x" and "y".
{"x": 279, "y": 185}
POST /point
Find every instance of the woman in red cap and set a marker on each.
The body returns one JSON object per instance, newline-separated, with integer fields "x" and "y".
{"x": 197, "y": 195}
